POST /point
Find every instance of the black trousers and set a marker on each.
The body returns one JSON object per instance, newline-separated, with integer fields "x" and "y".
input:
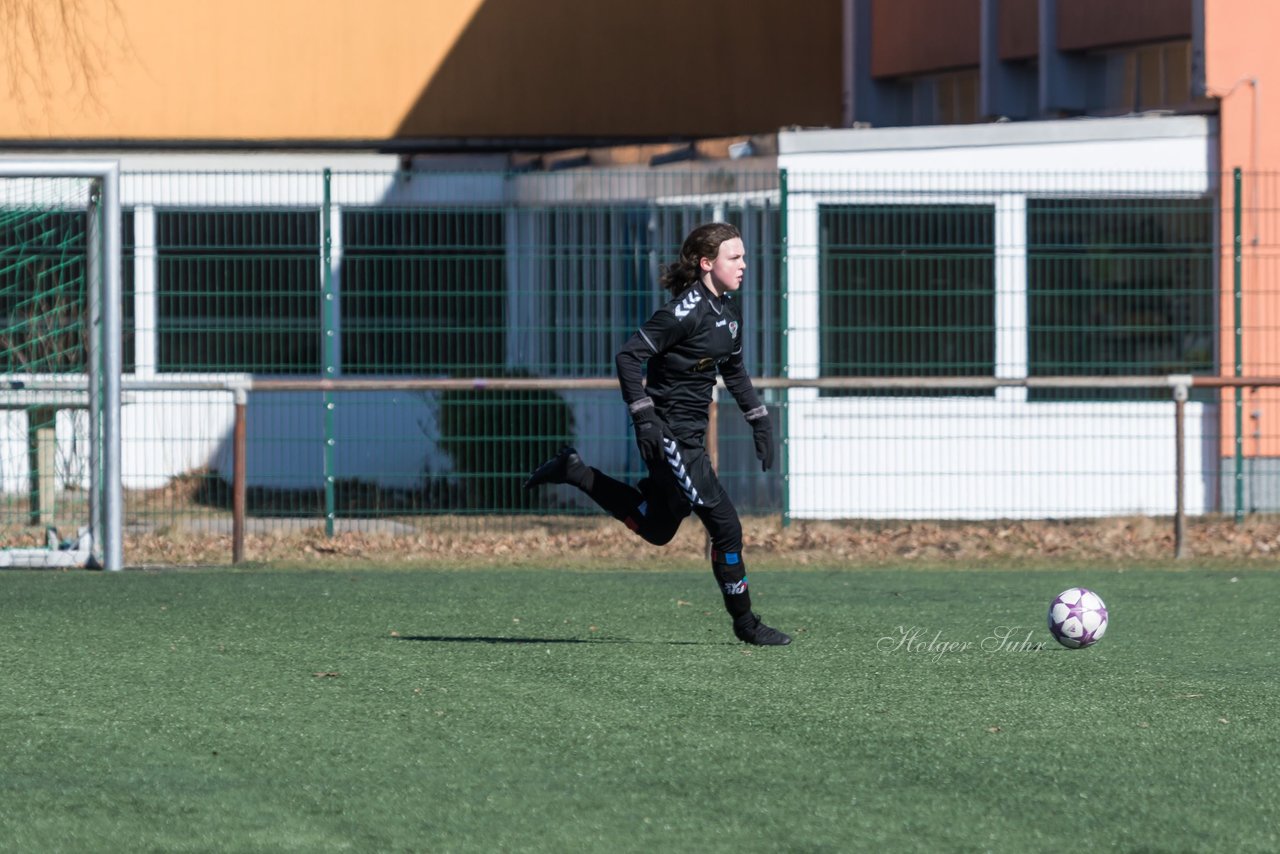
{"x": 683, "y": 482}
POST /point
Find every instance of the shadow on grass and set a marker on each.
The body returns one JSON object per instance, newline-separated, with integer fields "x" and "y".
{"x": 488, "y": 639}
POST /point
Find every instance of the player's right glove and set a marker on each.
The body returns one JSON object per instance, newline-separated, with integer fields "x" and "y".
{"x": 649, "y": 429}
{"x": 762, "y": 435}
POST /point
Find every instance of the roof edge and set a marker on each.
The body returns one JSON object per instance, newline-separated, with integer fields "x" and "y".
{"x": 1155, "y": 126}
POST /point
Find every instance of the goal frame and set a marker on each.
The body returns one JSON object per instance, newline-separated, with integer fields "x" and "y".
{"x": 105, "y": 362}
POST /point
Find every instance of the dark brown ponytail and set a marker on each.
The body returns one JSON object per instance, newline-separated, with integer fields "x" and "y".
{"x": 703, "y": 242}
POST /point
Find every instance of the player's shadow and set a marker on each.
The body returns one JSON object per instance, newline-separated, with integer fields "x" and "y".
{"x": 511, "y": 640}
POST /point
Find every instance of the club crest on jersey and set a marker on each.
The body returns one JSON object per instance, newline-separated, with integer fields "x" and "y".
{"x": 733, "y": 329}
{"x": 686, "y": 305}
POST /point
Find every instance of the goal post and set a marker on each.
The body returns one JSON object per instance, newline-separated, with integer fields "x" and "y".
{"x": 71, "y": 337}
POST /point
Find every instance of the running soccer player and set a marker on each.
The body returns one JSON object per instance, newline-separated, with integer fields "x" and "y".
{"x": 686, "y": 342}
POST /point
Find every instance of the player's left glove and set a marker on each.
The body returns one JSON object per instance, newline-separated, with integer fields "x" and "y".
{"x": 762, "y": 434}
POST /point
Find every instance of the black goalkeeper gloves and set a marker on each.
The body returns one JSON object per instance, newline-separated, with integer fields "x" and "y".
{"x": 649, "y": 429}
{"x": 762, "y": 434}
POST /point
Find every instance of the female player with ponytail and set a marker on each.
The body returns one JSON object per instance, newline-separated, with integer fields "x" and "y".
{"x": 694, "y": 336}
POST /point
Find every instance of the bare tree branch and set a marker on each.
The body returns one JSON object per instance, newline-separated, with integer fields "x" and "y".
{"x": 37, "y": 35}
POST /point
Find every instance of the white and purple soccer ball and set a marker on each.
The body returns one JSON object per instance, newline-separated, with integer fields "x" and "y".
{"x": 1077, "y": 618}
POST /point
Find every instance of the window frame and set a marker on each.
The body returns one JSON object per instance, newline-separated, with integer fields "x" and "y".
{"x": 1208, "y": 294}
{"x": 992, "y": 202}
{"x": 305, "y": 256}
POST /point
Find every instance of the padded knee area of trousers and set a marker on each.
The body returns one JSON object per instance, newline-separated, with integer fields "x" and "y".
{"x": 727, "y": 537}
{"x": 659, "y": 533}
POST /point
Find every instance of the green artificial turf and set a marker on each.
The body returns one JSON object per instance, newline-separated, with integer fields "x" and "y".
{"x": 547, "y": 710}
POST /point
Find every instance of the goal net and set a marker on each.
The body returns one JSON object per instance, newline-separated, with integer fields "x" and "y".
{"x": 60, "y": 364}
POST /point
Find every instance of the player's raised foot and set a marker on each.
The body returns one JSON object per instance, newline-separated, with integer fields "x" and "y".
{"x": 565, "y": 467}
{"x": 751, "y": 630}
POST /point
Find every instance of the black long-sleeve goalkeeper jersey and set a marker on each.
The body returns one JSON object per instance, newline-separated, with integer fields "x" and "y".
{"x": 685, "y": 343}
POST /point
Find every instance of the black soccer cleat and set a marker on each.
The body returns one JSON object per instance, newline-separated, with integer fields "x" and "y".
{"x": 754, "y": 632}
{"x": 564, "y": 467}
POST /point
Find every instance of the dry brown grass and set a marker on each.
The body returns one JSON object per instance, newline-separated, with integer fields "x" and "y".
{"x": 198, "y": 536}
{"x": 595, "y": 542}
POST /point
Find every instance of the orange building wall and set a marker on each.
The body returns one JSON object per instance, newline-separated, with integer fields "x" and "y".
{"x": 1240, "y": 44}
{"x": 380, "y": 69}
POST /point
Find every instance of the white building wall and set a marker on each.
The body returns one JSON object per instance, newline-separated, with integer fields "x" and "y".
{"x": 849, "y": 457}
{"x": 1001, "y": 456}
{"x": 930, "y": 458}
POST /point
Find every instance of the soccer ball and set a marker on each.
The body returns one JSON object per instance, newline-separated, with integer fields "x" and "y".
{"x": 1077, "y": 618}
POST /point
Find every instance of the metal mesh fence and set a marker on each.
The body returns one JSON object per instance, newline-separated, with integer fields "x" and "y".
{"x": 240, "y": 277}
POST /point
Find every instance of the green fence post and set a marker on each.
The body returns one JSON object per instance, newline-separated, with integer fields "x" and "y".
{"x": 1237, "y": 320}
{"x": 329, "y": 349}
{"x": 783, "y": 282}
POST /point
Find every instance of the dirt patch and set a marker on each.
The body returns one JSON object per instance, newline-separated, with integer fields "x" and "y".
{"x": 597, "y": 542}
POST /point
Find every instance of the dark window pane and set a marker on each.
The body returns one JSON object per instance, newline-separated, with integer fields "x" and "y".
{"x": 591, "y": 272}
{"x": 592, "y": 280}
{"x": 1119, "y": 286}
{"x": 128, "y": 322}
{"x": 761, "y": 294}
{"x": 423, "y": 291}
{"x": 1142, "y": 77}
{"x": 238, "y": 290}
{"x": 907, "y": 290}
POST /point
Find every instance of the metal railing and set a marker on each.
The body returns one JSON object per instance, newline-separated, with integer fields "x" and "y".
{"x": 982, "y": 324}
{"x": 1172, "y": 442}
